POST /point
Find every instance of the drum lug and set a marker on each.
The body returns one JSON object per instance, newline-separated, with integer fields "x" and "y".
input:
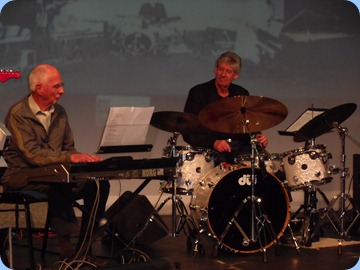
{"x": 202, "y": 183}
{"x": 208, "y": 157}
{"x": 211, "y": 184}
{"x": 190, "y": 156}
{"x": 291, "y": 160}
{"x": 313, "y": 155}
{"x": 188, "y": 183}
{"x": 192, "y": 207}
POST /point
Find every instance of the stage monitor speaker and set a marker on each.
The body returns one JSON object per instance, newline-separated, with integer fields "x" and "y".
{"x": 130, "y": 219}
{"x": 356, "y": 179}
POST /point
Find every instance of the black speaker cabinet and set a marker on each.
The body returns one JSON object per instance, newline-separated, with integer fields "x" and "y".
{"x": 129, "y": 217}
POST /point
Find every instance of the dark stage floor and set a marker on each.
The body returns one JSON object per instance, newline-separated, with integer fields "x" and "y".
{"x": 169, "y": 252}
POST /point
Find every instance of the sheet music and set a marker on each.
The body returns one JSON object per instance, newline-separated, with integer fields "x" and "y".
{"x": 308, "y": 115}
{"x": 127, "y": 126}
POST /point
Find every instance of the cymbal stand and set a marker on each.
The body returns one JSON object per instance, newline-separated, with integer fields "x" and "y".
{"x": 172, "y": 143}
{"x": 185, "y": 222}
{"x": 342, "y": 197}
{"x": 179, "y": 208}
{"x": 259, "y": 219}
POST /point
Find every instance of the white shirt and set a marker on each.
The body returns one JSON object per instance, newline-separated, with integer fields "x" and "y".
{"x": 43, "y": 116}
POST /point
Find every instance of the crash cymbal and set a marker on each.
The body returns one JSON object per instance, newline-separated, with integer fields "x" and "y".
{"x": 243, "y": 114}
{"x": 325, "y": 122}
{"x": 184, "y": 123}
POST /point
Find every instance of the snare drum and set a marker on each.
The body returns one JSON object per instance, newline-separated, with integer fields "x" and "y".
{"x": 307, "y": 166}
{"x": 194, "y": 163}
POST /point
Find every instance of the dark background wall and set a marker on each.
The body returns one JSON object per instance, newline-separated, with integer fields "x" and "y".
{"x": 150, "y": 53}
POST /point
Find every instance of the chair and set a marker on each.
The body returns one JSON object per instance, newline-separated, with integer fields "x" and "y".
{"x": 24, "y": 198}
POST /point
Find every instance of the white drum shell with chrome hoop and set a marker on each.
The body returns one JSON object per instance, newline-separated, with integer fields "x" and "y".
{"x": 194, "y": 163}
{"x": 307, "y": 166}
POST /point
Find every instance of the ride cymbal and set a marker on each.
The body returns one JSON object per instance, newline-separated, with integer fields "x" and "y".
{"x": 325, "y": 122}
{"x": 243, "y": 114}
{"x": 184, "y": 123}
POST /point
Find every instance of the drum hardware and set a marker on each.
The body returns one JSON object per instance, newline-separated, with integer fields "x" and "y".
{"x": 343, "y": 197}
{"x": 185, "y": 222}
{"x": 184, "y": 123}
{"x": 311, "y": 214}
{"x": 261, "y": 228}
{"x": 172, "y": 142}
{"x": 306, "y": 169}
{"x": 321, "y": 124}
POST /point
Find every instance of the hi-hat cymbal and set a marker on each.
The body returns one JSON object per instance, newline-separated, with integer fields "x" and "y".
{"x": 243, "y": 114}
{"x": 184, "y": 123}
{"x": 325, "y": 122}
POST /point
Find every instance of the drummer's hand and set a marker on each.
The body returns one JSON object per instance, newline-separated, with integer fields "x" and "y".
{"x": 222, "y": 146}
{"x": 262, "y": 140}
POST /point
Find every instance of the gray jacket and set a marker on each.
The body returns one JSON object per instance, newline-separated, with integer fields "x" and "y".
{"x": 31, "y": 146}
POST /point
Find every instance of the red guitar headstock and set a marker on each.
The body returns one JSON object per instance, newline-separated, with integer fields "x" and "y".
{"x": 6, "y": 74}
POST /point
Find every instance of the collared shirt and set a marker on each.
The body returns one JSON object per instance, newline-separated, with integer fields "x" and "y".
{"x": 43, "y": 116}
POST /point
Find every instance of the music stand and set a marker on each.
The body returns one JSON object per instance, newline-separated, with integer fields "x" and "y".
{"x": 303, "y": 119}
{"x": 126, "y": 130}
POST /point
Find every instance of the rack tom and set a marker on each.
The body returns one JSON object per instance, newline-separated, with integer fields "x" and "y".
{"x": 307, "y": 166}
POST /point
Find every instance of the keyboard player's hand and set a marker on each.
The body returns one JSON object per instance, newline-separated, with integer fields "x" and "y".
{"x": 82, "y": 158}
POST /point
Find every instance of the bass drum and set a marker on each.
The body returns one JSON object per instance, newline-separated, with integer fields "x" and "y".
{"x": 223, "y": 191}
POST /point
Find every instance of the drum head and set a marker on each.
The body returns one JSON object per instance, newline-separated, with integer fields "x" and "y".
{"x": 232, "y": 194}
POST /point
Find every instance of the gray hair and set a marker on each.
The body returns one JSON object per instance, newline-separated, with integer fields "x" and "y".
{"x": 230, "y": 58}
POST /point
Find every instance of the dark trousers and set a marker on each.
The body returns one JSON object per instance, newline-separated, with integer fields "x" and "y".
{"x": 60, "y": 202}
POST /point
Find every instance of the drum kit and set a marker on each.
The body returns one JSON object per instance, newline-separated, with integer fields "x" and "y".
{"x": 245, "y": 206}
